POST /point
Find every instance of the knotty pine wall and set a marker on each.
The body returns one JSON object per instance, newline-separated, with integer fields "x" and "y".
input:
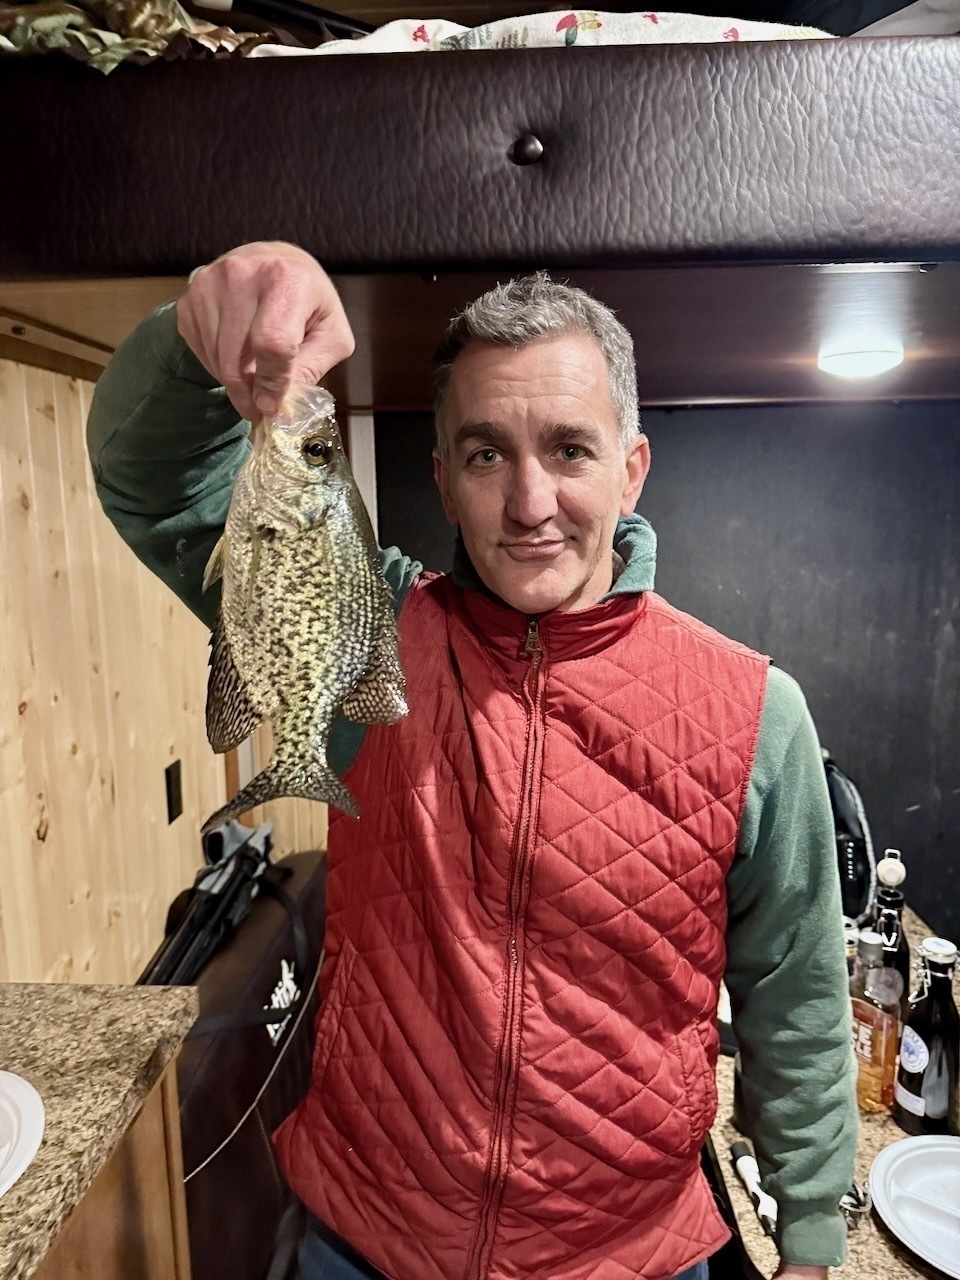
{"x": 102, "y": 685}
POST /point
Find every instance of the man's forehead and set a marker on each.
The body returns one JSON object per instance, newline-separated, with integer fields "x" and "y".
{"x": 571, "y": 365}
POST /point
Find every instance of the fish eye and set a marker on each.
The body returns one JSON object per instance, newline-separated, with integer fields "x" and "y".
{"x": 316, "y": 452}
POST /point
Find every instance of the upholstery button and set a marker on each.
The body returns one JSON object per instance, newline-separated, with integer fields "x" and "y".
{"x": 527, "y": 149}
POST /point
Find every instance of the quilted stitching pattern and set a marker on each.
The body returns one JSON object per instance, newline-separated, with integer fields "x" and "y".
{"x": 646, "y": 752}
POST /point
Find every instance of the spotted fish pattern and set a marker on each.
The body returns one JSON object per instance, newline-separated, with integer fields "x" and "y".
{"x": 307, "y": 626}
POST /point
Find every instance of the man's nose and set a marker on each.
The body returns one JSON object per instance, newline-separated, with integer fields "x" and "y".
{"x": 532, "y": 497}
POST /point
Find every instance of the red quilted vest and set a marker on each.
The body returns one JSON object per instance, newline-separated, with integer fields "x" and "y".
{"x": 513, "y": 1072}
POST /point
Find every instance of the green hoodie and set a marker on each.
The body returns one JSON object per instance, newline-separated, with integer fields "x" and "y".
{"x": 165, "y": 444}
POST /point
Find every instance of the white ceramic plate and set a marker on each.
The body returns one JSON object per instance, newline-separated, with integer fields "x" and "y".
{"x": 915, "y": 1186}
{"x": 21, "y": 1127}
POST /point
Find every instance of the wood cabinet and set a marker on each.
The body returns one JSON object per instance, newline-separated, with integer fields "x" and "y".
{"x": 131, "y": 1224}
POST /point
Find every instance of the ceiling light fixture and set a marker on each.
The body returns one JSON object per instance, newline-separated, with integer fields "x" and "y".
{"x": 859, "y": 356}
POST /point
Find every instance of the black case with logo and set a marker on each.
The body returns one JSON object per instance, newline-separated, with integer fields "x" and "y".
{"x": 236, "y": 1085}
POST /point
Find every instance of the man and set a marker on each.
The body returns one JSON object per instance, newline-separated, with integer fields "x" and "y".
{"x": 595, "y": 806}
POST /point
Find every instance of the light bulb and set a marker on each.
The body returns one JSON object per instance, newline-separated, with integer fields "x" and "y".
{"x": 859, "y": 357}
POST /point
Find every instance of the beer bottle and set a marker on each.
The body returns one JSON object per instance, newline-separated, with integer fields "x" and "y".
{"x": 925, "y": 1092}
{"x": 896, "y": 948}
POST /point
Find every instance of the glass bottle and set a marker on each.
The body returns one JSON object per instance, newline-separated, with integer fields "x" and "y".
{"x": 925, "y": 1091}
{"x": 896, "y": 948}
{"x": 875, "y": 991}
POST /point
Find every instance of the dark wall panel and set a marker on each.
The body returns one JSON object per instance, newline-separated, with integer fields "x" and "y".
{"x": 828, "y": 537}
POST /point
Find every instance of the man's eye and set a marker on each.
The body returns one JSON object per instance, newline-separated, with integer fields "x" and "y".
{"x": 485, "y": 456}
{"x": 572, "y": 452}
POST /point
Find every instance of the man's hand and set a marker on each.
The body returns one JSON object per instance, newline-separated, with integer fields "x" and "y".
{"x": 793, "y": 1271}
{"x": 262, "y": 317}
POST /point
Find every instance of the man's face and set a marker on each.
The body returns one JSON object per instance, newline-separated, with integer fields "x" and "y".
{"x": 534, "y": 472}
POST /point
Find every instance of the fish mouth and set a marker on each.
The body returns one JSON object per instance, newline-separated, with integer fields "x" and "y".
{"x": 541, "y": 549}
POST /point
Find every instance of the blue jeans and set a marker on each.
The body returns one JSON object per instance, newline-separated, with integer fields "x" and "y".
{"x": 323, "y": 1257}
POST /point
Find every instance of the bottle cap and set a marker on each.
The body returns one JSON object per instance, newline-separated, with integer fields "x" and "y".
{"x": 939, "y": 950}
{"x": 890, "y": 868}
{"x": 870, "y": 945}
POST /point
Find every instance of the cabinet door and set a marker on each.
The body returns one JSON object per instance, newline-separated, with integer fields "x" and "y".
{"x": 131, "y": 1224}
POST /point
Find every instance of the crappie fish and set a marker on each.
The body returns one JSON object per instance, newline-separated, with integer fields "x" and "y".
{"x": 307, "y": 626}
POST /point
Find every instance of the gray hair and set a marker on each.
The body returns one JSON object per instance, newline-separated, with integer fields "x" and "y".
{"x": 531, "y": 307}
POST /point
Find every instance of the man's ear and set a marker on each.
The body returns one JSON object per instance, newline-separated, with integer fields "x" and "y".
{"x": 441, "y": 474}
{"x": 635, "y": 473}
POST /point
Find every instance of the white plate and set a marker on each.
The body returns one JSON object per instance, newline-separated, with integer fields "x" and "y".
{"x": 915, "y": 1186}
{"x": 21, "y": 1127}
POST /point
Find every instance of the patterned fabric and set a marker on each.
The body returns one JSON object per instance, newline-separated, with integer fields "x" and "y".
{"x": 563, "y": 29}
{"x": 105, "y": 33}
{"x": 513, "y": 1072}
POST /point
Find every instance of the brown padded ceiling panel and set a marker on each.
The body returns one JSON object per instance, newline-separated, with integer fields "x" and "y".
{"x": 803, "y": 151}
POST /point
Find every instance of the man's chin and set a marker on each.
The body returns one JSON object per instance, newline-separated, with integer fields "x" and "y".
{"x": 532, "y": 593}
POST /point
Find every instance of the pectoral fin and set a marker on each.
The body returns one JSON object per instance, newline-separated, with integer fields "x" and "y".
{"x": 231, "y": 716}
{"x": 214, "y": 569}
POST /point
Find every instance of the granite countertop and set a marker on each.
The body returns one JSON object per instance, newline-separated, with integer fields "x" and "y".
{"x": 93, "y": 1053}
{"x": 873, "y": 1252}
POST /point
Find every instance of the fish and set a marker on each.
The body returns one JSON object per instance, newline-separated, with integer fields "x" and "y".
{"x": 307, "y": 625}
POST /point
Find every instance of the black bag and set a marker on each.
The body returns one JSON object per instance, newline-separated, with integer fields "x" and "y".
{"x": 245, "y": 1066}
{"x": 856, "y": 861}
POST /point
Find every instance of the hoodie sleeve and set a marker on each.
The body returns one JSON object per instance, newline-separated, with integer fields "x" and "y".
{"x": 165, "y": 445}
{"x": 787, "y": 978}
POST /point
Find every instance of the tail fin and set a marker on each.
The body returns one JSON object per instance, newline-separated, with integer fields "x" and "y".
{"x": 307, "y": 780}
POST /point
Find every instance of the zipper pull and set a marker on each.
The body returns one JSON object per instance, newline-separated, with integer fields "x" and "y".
{"x": 532, "y": 644}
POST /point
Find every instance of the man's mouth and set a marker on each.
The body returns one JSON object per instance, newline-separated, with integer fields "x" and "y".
{"x": 540, "y": 549}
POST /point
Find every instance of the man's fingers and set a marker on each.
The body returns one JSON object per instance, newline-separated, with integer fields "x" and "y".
{"x": 216, "y": 337}
{"x": 322, "y": 349}
{"x": 275, "y": 358}
{"x": 234, "y": 358}
{"x": 262, "y": 317}
{"x": 297, "y": 336}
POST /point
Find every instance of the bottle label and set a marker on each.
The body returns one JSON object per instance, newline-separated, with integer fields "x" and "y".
{"x": 914, "y": 1054}
{"x": 863, "y": 1040}
{"x": 888, "y": 927}
{"x": 909, "y": 1101}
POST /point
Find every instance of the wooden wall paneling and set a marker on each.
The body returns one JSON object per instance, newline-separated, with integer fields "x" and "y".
{"x": 127, "y": 680}
{"x": 75, "y": 633}
{"x": 103, "y": 685}
{"x": 19, "y": 904}
{"x": 116, "y": 820}
{"x": 156, "y": 664}
{"x": 59, "y": 847}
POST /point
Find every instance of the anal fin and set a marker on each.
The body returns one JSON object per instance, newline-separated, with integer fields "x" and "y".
{"x": 380, "y": 696}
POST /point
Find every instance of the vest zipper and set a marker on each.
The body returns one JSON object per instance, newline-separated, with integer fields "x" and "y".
{"x": 507, "y": 1060}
